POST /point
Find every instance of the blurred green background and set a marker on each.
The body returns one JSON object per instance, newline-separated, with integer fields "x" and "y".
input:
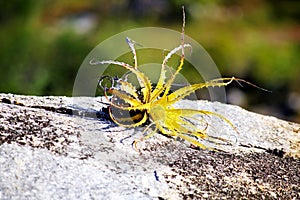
{"x": 43, "y": 43}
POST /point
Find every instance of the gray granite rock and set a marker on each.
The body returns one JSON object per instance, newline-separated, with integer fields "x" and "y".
{"x": 67, "y": 148}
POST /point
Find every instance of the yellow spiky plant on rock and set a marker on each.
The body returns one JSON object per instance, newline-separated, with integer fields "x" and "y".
{"x": 155, "y": 103}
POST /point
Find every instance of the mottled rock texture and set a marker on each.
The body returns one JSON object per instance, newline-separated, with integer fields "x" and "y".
{"x": 67, "y": 148}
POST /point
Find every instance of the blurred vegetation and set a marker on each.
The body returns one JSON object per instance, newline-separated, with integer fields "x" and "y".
{"x": 44, "y": 42}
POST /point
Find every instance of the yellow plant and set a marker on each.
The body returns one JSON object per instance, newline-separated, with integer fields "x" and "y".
{"x": 155, "y": 103}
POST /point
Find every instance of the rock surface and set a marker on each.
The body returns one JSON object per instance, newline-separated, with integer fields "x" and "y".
{"x": 67, "y": 148}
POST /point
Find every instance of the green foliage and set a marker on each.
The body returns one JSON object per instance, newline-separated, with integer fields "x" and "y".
{"x": 41, "y": 51}
{"x": 35, "y": 60}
